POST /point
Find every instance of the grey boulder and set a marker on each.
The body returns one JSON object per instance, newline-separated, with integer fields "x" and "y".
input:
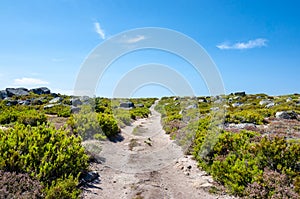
{"x": 17, "y": 92}
{"x": 75, "y": 101}
{"x": 286, "y": 115}
{"x": 41, "y": 90}
{"x": 55, "y": 100}
{"x": 3, "y": 94}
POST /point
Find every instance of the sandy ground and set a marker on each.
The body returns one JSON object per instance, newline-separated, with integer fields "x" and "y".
{"x": 145, "y": 163}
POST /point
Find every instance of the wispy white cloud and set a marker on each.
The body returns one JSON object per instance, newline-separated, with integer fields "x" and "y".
{"x": 99, "y": 30}
{"x": 134, "y": 39}
{"x": 256, "y": 43}
{"x": 25, "y": 81}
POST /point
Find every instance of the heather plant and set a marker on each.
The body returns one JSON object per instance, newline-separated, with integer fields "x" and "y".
{"x": 19, "y": 185}
{"x": 43, "y": 152}
{"x": 21, "y": 114}
{"x": 108, "y": 124}
{"x": 61, "y": 110}
{"x": 85, "y": 123}
{"x": 271, "y": 184}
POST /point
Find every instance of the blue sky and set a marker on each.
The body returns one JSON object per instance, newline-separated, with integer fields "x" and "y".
{"x": 254, "y": 43}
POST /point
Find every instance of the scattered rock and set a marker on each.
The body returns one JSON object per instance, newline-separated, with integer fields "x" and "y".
{"x": 3, "y": 128}
{"x": 265, "y": 101}
{"x": 51, "y": 105}
{"x": 148, "y": 142}
{"x": 75, "y": 109}
{"x": 214, "y": 108}
{"x": 3, "y": 94}
{"x": 37, "y": 101}
{"x": 237, "y": 98}
{"x": 75, "y": 102}
{"x": 89, "y": 177}
{"x": 17, "y": 92}
{"x": 24, "y": 102}
{"x": 240, "y": 93}
{"x": 55, "y": 100}
{"x": 127, "y": 105}
{"x": 241, "y": 125}
{"x": 205, "y": 185}
{"x": 11, "y": 102}
{"x": 270, "y": 105}
{"x": 193, "y": 106}
{"x": 218, "y": 101}
{"x": 289, "y": 99}
{"x": 286, "y": 115}
{"x": 237, "y": 104}
{"x": 202, "y": 100}
{"x": 41, "y": 90}
{"x": 54, "y": 95}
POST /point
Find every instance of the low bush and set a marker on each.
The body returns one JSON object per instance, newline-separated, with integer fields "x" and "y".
{"x": 108, "y": 124}
{"x": 238, "y": 160}
{"x": 59, "y": 110}
{"x": 43, "y": 152}
{"x": 85, "y": 123}
{"x": 13, "y": 185}
{"x": 139, "y": 112}
{"x": 22, "y": 115}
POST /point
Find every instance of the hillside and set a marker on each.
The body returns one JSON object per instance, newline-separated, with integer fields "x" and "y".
{"x": 175, "y": 147}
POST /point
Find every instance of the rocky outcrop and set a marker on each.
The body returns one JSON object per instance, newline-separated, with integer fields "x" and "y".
{"x": 17, "y": 92}
{"x": 288, "y": 115}
{"x": 140, "y": 105}
{"x": 240, "y": 94}
{"x": 3, "y": 94}
{"x": 127, "y": 105}
{"x": 55, "y": 100}
{"x": 75, "y": 102}
{"x": 75, "y": 109}
{"x": 265, "y": 102}
{"x": 41, "y": 90}
{"x": 236, "y": 104}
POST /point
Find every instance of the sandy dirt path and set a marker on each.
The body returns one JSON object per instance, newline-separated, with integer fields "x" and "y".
{"x": 145, "y": 163}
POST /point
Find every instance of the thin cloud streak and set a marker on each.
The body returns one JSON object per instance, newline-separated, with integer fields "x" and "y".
{"x": 25, "y": 81}
{"x": 99, "y": 30}
{"x": 256, "y": 43}
{"x": 136, "y": 39}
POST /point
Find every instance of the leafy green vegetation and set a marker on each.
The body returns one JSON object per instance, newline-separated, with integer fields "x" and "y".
{"x": 21, "y": 114}
{"x": 251, "y": 164}
{"x": 49, "y": 155}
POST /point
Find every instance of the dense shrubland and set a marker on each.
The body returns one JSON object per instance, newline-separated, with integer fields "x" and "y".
{"x": 249, "y": 163}
{"x": 21, "y": 114}
{"x": 48, "y": 155}
{"x": 38, "y": 160}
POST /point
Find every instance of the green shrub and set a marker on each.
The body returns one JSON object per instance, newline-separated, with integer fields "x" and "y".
{"x": 59, "y": 110}
{"x": 245, "y": 116}
{"x": 22, "y": 115}
{"x": 108, "y": 124}
{"x": 139, "y": 112}
{"x": 85, "y": 123}
{"x": 237, "y": 160}
{"x": 123, "y": 117}
{"x": 63, "y": 188}
{"x": 44, "y": 152}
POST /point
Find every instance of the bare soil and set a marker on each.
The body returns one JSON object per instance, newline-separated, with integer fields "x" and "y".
{"x": 143, "y": 162}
